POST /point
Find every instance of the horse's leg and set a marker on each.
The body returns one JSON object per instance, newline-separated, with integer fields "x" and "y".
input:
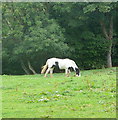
{"x": 66, "y": 72}
{"x": 51, "y": 71}
{"x": 47, "y": 71}
{"x": 69, "y": 72}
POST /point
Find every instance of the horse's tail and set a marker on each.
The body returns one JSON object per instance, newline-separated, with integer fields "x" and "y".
{"x": 44, "y": 68}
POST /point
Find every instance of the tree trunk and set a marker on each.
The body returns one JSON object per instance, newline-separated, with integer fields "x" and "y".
{"x": 109, "y": 60}
{"x": 109, "y": 37}
{"x": 24, "y": 68}
{"x": 31, "y": 68}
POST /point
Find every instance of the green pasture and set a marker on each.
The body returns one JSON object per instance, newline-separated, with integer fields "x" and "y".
{"x": 93, "y": 95}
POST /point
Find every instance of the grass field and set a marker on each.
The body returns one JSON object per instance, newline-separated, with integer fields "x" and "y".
{"x": 93, "y": 95}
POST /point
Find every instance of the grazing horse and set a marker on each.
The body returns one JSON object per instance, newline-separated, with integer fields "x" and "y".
{"x": 66, "y": 64}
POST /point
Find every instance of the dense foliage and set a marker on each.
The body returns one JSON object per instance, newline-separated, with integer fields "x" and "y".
{"x": 33, "y": 32}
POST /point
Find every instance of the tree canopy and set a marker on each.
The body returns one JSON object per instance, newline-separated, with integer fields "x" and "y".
{"x": 34, "y": 32}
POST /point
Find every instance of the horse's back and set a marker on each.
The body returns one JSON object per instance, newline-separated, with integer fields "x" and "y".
{"x": 66, "y": 63}
{"x": 70, "y": 62}
{"x": 62, "y": 63}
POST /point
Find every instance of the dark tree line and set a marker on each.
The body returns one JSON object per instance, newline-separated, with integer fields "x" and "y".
{"x": 34, "y": 32}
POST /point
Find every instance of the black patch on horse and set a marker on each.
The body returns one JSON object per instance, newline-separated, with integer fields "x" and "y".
{"x": 53, "y": 66}
{"x": 56, "y": 65}
{"x": 70, "y": 68}
{"x": 77, "y": 71}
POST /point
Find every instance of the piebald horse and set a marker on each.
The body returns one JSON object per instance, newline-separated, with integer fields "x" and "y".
{"x": 66, "y": 64}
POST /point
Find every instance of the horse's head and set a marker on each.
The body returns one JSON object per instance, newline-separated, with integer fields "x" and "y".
{"x": 77, "y": 75}
{"x": 77, "y": 72}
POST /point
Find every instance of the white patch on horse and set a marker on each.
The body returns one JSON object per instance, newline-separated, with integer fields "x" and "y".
{"x": 66, "y": 64}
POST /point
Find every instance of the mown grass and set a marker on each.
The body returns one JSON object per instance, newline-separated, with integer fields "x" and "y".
{"x": 93, "y": 95}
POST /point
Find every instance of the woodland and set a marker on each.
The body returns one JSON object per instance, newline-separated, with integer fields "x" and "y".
{"x": 32, "y": 32}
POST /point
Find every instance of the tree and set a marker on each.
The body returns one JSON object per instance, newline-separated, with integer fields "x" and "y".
{"x": 106, "y": 15}
{"x": 34, "y": 36}
{"x": 34, "y": 32}
{"x": 82, "y": 34}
